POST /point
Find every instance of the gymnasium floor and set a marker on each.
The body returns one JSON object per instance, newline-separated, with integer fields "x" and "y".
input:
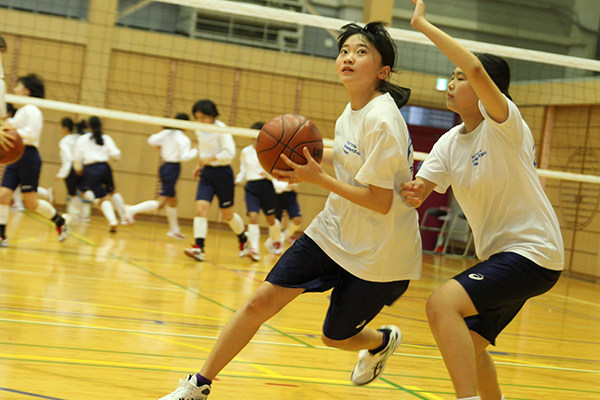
{"x": 127, "y": 315}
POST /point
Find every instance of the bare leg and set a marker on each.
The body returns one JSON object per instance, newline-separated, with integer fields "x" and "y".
{"x": 446, "y": 309}
{"x": 264, "y": 303}
{"x": 366, "y": 339}
{"x": 487, "y": 380}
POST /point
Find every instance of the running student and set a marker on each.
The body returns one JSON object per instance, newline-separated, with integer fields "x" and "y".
{"x": 216, "y": 178}
{"x": 287, "y": 200}
{"x": 365, "y": 244}
{"x": 175, "y": 147}
{"x": 28, "y": 122}
{"x": 259, "y": 194}
{"x": 489, "y": 160}
{"x": 75, "y": 183}
{"x": 93, "y": 150}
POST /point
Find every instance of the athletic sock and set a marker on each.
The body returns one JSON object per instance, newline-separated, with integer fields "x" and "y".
{"x": 236, "y": 224}
{"x": 384, "y": 341}
{"x": 117, "y": 200}
{"x": 77, "y": 203}
{"x": 172, "y": 219}
{"x": 291, "y": 229}
{"x": 202, "y": 380}
{"x": 254, "y": 235}
{"x": 275, "y": 231}
{"x": 146, "y": 206}
{"x": 200, "y": 229}
{"x": 45, "y": 209}
{"x": 58, "y": 220}
{"x": 109, "y": 212}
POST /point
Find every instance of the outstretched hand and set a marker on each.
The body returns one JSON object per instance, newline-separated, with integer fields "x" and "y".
{"x": 310, "y": 172}
{"x": 419, "y": 13}
{"x": 413, "y": 192}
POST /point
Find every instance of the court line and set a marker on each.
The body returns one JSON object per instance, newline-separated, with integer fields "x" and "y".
{"x": 29, "y": 394}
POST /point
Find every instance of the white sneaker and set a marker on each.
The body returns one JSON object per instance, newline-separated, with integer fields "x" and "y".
{"x": 195, "y": 252}
{"x": 176, "y": 234}
{"x": 188, "y": 390}
{"x": 274, "y": 247}
{"x": 3, "y": 241}
{"x": 17, "y": 207}
{"x": 63, "y": 230}
{"x": 370, "y": 366}
{"x": 253, "y": 254}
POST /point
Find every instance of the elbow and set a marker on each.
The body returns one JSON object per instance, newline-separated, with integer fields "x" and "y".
{"x": 383, "y": 208}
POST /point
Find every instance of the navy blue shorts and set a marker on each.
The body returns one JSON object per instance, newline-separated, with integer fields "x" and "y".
{"x": 74, "y": 183}
{"x": 99, "y": 179}
{"x": 169, "y": 174}
{"x": 499, "y": 287}
{"x": 260, "y": 195}
{"x": 354, "y": 301}
{"x": 287, "y": 201}
{"x": 219, "y": 181}
{"x": 25, "y": 172}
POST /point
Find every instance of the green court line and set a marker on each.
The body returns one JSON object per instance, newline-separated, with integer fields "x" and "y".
{"x": 163, "y": 278}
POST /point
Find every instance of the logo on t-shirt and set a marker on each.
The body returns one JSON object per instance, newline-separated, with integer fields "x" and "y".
{"x": 350, "y": 147}
{"x": 475, "y": 157}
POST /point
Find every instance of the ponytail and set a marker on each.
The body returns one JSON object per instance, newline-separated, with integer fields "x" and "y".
{"x": 96, "y": 126}
{"x": 399, "y": 94}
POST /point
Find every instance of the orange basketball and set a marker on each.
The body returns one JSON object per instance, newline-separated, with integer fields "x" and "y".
{"x": 13, "y": 154}
{"x": 288, "y": 134}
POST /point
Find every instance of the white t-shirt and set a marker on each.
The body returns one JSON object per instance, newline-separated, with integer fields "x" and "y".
{"x": 250, "y": 168}
{"x": 89, "y": 152}
{"x": 493, "y": 176}
{"x": 2, "y": 99}
{"x": 29, "y": 122}
{"x": 67, "y": 147}
{"x": 220, "y": 145}
{"x": 175, "y": 146}
{"x": 371, "y": 147}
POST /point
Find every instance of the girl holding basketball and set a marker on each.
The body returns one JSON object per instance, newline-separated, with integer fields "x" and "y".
{"x": 28, "y": 122}
{"x": 92, "y": 152}
{"x": 216, "y": 178}
{"x": 489, "y": 160}
{"x": 365, "y": 244}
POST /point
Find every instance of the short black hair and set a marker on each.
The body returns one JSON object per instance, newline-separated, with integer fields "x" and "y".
{"x": 67, "y": 123}
{"x": 498, "y": 69}
{"x": 206, "y": 107}
{"x": 257, "y": 125}
{"x": 34, "y": 84}
{"x": 182, "y": 116}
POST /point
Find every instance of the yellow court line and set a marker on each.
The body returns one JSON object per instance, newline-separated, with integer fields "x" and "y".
{"x": 423, "y": 393}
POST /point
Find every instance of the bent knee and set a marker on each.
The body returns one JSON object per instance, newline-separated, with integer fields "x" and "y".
{"x": 336, "y": 344}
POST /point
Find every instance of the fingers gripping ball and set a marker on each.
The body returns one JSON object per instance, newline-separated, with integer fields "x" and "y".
{"x": 14, "y": 153}
{"x": 288, "y": 134}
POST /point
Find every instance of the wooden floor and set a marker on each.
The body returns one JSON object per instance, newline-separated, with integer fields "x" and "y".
{"x": 125, "y": 316}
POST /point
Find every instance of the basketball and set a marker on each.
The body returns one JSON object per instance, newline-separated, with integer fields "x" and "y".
{"x": 14, "y": 153}
{"x": 288, "y": 134}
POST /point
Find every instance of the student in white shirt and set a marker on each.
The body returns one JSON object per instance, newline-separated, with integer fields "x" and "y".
{"x": 175, "y": 147}
{"x": 28, "y": 122}
{"x": 365, "y": 244}
{"x": 216, "y": 178}
{"x": 287, "y": 200}
{"x": 75, "y": 183}
{"x": 259, "y": 194}
{"x": 489, "y": 160}
{"x": 92, "y": 152}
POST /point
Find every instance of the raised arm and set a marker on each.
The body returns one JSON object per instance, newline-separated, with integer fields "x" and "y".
{"x": 486, "y": 90}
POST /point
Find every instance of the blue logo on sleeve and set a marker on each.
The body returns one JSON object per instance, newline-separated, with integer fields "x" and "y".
{"x": 475, "y": 157}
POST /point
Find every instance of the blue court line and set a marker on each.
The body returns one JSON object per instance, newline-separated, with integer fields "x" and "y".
{"x": 30, "y": 394}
